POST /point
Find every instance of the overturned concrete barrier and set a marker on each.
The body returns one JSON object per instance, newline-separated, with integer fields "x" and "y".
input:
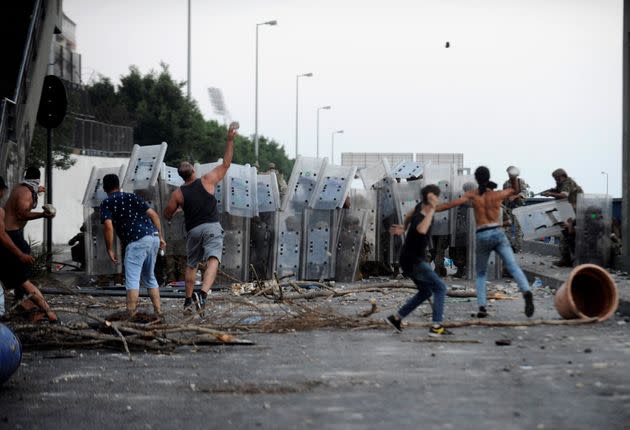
{"x": 589, "y": 292}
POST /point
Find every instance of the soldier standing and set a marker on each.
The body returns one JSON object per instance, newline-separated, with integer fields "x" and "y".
{"x": 566, "y": 188}
{"x": 513, "y": 231}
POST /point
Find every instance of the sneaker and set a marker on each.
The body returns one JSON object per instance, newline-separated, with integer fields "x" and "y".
{"x": 437, "y": 331}
{"x": 394, "y": 322}
{"x": 482, "y": 312}
{"x": 199, "y": 299}
{"x": 188, "y": 305}
{"x": 529, "y": 303}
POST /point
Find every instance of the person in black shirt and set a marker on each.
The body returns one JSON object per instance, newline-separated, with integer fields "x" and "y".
{"x": 413, "y": 261}
{"x": 204, "y": 234}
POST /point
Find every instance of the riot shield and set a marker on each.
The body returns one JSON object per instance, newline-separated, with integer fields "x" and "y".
{"x": 263, "y": 227}
{"x": 543, "y": 219}
{"x": 367, "y": 200}
{"x": 235, "y": 258}
{"x": 241, "y": 188}
{"x": 267, "y": 193}
{"x": 332, "y": 187}
{"x": 96, "y": 257}
{"x": 593, "y": 228}
{"x": 304, "y": 177}
{"x": 374, "y": 174}
{"x": 408, "y": 169}
{"x": 442, "y": 176}
{"x": 319, "y": 247}
{"x": 287, "y": 243}
{"x": 350, "y": 243}
{"x": 145, "y": 164}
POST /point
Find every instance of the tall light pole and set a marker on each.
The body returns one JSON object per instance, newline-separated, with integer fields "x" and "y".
{"x": 318, "y": 109}
{"x": 332, "y": 149}
{"x": 188, "y": 81}
{"x": 297, "y": 78}
{"x": 604, "y": 173}
{"x": 273, "y": 22}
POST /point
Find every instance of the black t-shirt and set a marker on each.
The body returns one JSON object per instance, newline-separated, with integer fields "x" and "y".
{"x": 415, "y": 246}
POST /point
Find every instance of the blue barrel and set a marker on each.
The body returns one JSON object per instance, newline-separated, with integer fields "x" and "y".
{"x": 10, "y": 353}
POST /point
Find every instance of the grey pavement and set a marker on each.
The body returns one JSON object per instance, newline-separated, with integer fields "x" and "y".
{"x": 550, "y": 377}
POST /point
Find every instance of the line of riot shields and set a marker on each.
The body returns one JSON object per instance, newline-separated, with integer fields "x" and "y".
{"x": 326, "y": 227}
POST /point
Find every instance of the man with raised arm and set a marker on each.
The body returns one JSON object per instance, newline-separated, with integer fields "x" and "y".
{"x": 490, "y": 236}
{"x": 204, "y": 234}
{"x": 15, "y": 259}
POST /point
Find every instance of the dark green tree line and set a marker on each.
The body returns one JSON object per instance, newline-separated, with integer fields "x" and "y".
{"x": 155, "y": 106}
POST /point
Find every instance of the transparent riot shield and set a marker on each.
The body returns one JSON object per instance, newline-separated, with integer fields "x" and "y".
{"x": 332, "y": 187}
{"x": 407, "y": 169}
{"x": 593, "y": 228}
{"x": 96, "y": 257}
{"x": 263, "y": 227}
{"x": 145, "y": 164}
{"x": 319, "y": 244}
{"x": 374, "y": 174}
{"x": 202, "y": 169}
{"x": 235, "y": 258}
{"x": 241, "y": 188}
{"x": 287, "y": 243}
{"x": 543, "y": 219}
{"x": 442, "y": 176}
{"x": 367, "y": 200}
{"x": 406, "y": 196}
{"x": 267, "y": 193}
{"x": 174, "y": 229}
{"x": 350, "y": 243}
{"x": 304, "y": 177}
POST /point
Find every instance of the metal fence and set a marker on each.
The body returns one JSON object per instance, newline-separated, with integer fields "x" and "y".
{"x": 97, "y": 138}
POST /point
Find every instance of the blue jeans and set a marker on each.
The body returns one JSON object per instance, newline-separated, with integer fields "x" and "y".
{"x": 140, "y": 258}
{"x": 428, "y": 283}
{"x": 494, "y": 240}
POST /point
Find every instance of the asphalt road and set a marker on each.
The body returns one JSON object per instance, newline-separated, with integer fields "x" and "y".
{"x": 550, "y": 377}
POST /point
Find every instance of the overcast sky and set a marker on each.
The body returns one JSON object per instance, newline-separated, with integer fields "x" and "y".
{"x": 534, "y": 83}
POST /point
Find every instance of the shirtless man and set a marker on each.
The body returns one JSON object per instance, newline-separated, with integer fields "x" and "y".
{"x": 490, "y": 236}
{"x": 14, "y": 250}
{"x": 204, "y": 235}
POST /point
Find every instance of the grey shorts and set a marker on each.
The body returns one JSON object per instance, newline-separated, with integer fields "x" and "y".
{"x": 203, "y": 242}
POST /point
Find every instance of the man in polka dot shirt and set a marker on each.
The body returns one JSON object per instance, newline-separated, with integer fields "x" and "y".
{"x": 139, "y": 230}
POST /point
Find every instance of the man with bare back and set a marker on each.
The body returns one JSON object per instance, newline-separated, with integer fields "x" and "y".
{"x": 204, "y": 235}
{"x": 15, "y": 258}
{"x": 490, "y": 236}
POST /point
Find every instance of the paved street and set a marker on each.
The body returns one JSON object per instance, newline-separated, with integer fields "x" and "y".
{"x": 550, "y": 377}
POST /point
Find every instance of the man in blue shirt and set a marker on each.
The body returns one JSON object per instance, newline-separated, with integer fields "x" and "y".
{"x": 139, "y": 230}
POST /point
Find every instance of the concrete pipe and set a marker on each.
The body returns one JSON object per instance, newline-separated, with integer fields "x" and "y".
{"x": 589, "y": 292}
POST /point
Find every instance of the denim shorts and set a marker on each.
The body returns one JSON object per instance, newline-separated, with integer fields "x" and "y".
{"x": 140, "y": 258}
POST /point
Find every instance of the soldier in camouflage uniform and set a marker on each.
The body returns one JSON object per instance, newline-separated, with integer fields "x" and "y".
{"x": 513, "y": 231}
{"x": 566, "y": 188}
{"x": 282, "y": 184}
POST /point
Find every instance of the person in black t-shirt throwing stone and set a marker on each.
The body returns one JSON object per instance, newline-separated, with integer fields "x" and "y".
{"x": 414, "y": 263}
{"x": 204, "y": 234}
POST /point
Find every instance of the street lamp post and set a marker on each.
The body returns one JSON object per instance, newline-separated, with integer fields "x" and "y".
{"x": 297, "y": 78}
{"x": 273, "y": 22}
{"x": 332, "y": 150}
{"x": 318, "y": 109}
{"x": 604, "y": 173}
